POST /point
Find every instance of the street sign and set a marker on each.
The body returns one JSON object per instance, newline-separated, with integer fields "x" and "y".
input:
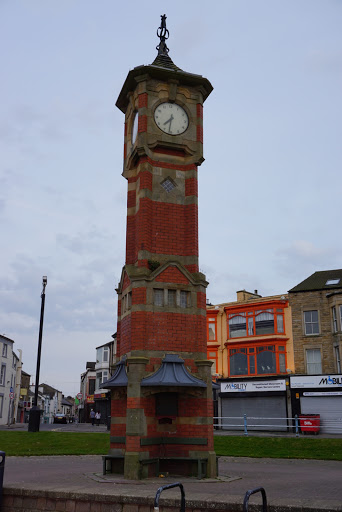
{"x": 11, "y": 395}
{"x": 11, "y": 390}
{"x": 79, "y": 396}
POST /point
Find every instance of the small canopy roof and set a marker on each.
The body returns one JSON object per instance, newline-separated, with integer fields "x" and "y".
{"x": 119, "y": 377}
{"x": 172, "y": 373}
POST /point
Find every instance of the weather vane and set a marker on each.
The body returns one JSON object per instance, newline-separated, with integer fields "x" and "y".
{"x": 163, "y": 34}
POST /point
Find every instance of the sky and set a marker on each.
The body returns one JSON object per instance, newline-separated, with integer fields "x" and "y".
{"x": 269, "y": 189}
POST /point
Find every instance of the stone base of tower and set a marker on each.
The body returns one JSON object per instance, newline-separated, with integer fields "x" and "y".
{"x": 163, "y": 429}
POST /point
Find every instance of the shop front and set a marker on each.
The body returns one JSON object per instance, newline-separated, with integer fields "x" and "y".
{"x": 262, "y": 403}
{"x": 319, "y": 394}
{"x": 102, "y": 405}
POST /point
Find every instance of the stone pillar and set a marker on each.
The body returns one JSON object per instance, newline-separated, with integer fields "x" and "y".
{"x": 136, "y": 420}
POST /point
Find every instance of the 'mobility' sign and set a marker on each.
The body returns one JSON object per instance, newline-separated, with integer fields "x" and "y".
{"x": 250, "y": 386}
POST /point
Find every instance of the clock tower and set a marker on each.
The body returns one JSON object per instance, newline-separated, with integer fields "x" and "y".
{"x": 161, "y": 412}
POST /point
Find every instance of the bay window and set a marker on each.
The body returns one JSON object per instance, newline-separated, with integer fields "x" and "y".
{"x": 256, "y": 359}
{"x": 256, "y": 322}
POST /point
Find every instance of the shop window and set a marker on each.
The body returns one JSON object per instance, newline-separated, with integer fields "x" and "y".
{"x": 256, "y": 323}
{"x": 311, "y": 325}
{"x": 211, "y": 322}
{"x": 257, "y": 360}
{"x": 313, "y": 361}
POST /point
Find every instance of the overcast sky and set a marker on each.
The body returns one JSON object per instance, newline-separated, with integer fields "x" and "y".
{"x": 270, "y": 187}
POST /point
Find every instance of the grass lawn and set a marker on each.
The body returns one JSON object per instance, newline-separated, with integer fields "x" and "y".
{"x": 69, "y": 443}
{"x": 53, "y": 443}
{"x": 279, "y": 447}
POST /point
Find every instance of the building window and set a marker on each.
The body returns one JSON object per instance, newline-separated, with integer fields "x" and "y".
{"x": 101, "y": 377}
{"x": 256, "y": 323}
{"x": 171, "y": 298}
{"x": 338, "y": 359}
{"x": 168, "y": 185}
{"x": 257, "y": 360}
{"x": 212, "y": 356}
{"x": 4, "y": 350}
{"x": 126, "y": 302}
{"x": 332, "y": 281}
{"x": 3, "y": 375}
{"x": 335, "y": 328}
{"x": 91, "y": 386}
{"x": 105, "y": 354}
{"x": 313, "y": 361}
{"x": 212, "y": 328}
{"x": 341, "y": 317}
{"x": 311, "y": 322}
{"x": 184, "y": 299}
{"x": 1, "y": 404}
{"x": 158, "y": 297}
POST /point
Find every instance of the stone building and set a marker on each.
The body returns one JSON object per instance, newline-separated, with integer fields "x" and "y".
{"x": 316, "y": 305}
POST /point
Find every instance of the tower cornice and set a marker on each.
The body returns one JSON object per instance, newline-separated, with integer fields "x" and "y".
{"x": 151, "y": 71}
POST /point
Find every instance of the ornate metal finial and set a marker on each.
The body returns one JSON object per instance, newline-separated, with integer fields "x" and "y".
{"x": 163, "y": 34}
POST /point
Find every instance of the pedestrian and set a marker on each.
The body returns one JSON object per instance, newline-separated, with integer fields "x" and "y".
{"x": 92, "y": 416}
{"x": 98, "y": 418}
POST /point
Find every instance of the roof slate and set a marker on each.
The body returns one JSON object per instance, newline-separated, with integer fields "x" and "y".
{"x": 317, "y": 281}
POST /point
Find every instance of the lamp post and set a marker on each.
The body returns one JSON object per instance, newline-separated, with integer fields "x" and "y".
{"x": 34, "y": 418}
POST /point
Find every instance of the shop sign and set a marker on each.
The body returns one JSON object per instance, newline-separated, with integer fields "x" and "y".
{"x": 90, "y": 399}
{"x": 322, "y": 393}
{"x": 100, "y": 395}
{"x": 256, "y": 385}
{"x": 316, "y": 381}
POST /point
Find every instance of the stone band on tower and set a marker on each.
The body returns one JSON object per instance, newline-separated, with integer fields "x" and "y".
{"x": 162, "y": 417}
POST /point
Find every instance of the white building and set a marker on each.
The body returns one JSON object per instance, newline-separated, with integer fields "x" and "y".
{"x": 10, "y": 376}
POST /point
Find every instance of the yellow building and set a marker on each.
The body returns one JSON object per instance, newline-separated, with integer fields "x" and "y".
{"x": 251, "y": 337}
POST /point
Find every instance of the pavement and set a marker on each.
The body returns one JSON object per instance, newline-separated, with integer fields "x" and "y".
{"x": 290, "y": 484}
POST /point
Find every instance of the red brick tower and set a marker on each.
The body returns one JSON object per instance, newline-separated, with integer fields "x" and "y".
{"x": 162, "y": 387}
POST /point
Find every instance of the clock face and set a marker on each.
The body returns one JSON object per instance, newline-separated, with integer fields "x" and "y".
{"x": 135, "y": 127}
{"x": 171, "y": 118}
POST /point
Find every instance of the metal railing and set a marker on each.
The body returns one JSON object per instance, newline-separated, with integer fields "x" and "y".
{"x": 298, "y": 424}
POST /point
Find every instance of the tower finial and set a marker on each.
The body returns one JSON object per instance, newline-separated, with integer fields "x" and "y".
{"x": 163, "y": 34}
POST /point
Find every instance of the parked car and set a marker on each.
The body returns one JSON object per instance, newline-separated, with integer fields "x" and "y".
{"x": 60, "y": 418}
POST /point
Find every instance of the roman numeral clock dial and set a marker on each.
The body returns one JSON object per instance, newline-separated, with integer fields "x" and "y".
{"x": 171, "y": 118}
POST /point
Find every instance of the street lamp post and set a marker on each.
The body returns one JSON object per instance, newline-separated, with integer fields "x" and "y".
{"x": 34, "y": 418}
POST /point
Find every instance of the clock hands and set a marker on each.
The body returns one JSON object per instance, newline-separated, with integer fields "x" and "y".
{"x": 169, "y": 121}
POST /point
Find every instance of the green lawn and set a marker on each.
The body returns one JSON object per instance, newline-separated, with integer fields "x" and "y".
{"x": 279, "y": 447}
{"x": 69, "y": 443}
{"x": 53, "y": 443}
